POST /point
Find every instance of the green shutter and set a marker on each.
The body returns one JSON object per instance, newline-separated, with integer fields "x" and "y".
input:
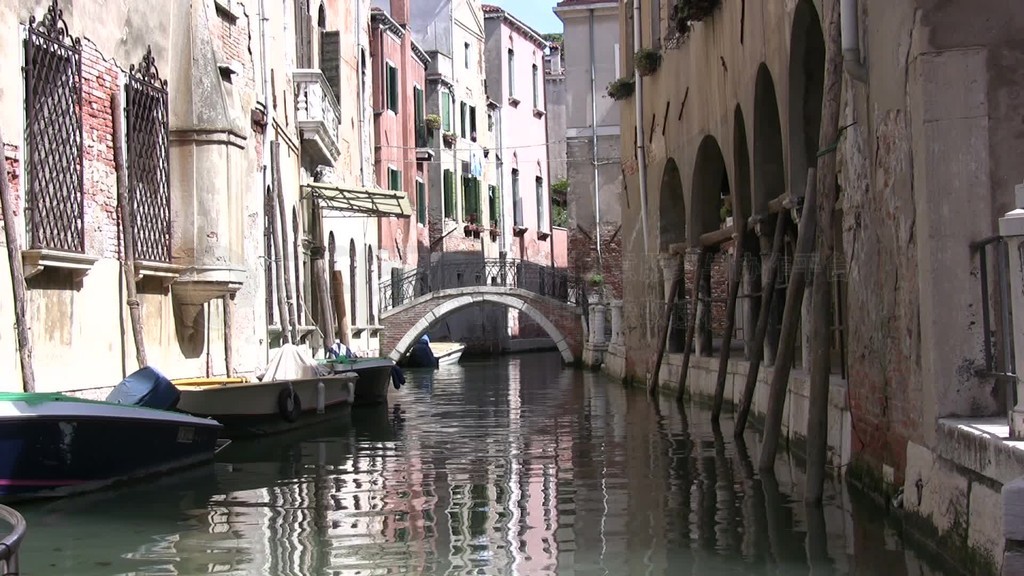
{"x": 392, "y": 86}
{"x": 449, "y": 194}
{"x": 494, "y": 202}
{"x": 421, "y": 202}
{"x": 446, "y": 112}
{"x": 394, "y": 179}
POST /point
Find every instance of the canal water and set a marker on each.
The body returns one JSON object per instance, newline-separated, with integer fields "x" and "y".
{"x": 507, "y": 466}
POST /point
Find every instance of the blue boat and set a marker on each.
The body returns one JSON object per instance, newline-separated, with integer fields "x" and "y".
{"x": 54, "y": 445}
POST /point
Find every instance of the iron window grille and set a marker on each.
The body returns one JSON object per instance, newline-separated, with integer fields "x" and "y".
{"x": 149, "y": 186}
{"x": 54, "y": 133}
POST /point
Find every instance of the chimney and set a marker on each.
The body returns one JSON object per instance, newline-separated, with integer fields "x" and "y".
{"x": 400, "y": 12}
{"x": 556, "y": 58}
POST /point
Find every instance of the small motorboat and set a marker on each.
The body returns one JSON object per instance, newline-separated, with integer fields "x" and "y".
{"x": 293, "y": 392}
{"x": 447, "y": 353}
{"x": 55, "y": 445}
{"x": 375, "y": 376}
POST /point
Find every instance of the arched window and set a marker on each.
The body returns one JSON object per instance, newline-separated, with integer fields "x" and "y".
{"x": 352, "y": 255}
{"x": 370, "y": 315}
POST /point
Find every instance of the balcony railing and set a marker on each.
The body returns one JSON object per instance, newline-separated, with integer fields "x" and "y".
{"x": 317, "y": 115}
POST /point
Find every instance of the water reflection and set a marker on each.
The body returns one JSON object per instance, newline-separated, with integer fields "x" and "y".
{"x": 506, "y": 467}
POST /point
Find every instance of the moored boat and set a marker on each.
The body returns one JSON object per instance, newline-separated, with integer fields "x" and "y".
{"x": 447, "y": 353}
{"x": 55, "y": 445}
{"x": 292, "y": 393}
{"x": 374, "y": 378}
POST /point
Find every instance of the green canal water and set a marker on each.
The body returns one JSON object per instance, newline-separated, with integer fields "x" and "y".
{"x": 508, "y": 466}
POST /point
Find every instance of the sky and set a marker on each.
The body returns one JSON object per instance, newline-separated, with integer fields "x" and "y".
{"x": 536, "y": 14}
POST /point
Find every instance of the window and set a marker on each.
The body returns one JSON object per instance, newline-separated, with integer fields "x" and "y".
{"x": 449, "y": 194}
{"x": 392, "y": 87}
{"x": 655, "y": 24}
{"x": 371, "y": 316}
{"x": 421, "y": 202}
{"x": 493, "y": 205}
{"x": 472, "y": 123}
{"x": 419, "y": 110}
{"x": 463, "y": 119}
{"x": 542, "y": 212}
{"x": 148, "y": 170}
{"x": 517, "y": 201}
{"x": 466, "y": 54}
{"x": 446, "y": 112}
{"x": 470, "y": 199}
{"x": 353, "y": 281}
{"x": 536, "y": 88}
{"x": 511, "y": 73}
{"x": 394, "y": 179}
{"x": 53, "y": 137}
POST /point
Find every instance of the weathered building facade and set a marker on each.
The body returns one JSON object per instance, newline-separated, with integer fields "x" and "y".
{"x": 731, "y": 120}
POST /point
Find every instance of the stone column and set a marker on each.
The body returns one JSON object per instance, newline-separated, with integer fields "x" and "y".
{"x": 669, "y": 264}
{"x": 597, "y": 336}
{"x": 1011, "y": 228}
{"x": 591, "y": 321}
{"x": 617, "y": 331}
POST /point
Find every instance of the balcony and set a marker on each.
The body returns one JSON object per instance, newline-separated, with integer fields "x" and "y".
{"x": 317, "y": 116}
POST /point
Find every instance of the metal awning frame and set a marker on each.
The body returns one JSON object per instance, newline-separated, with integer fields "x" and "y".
{"x": 358, "y": 201}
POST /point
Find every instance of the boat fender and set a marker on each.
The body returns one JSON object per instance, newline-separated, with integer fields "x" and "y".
{"x": 321, "y": 397}
{"x": 288, "y": 404}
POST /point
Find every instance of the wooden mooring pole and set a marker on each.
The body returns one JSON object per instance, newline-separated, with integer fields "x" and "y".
{"x": 127, "y": 230}
{"x": 691, "y": 322}
{"x": 277, "y": 226}
{"x": 790, "y": 327}
{"x": 821, "y": 310}
{"x": 730, "y": 325}
{"x": 771, "y": 275}
{"x": 28, "y": 378}
{"x": 665, "y": 323}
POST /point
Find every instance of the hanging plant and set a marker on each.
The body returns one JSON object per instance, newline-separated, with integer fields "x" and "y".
{"x": 433, "y": 121}
{"x": 622, "y": 88}
{"x": 647, "y": 61}
{"x": 449, "y": 139}
{"x": 686, "y": 12}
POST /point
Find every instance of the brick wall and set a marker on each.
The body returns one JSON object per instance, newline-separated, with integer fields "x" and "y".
{"x": 100, "y": 80}
{"x": 583, "y": 256}
{"x": 13, "y": 158}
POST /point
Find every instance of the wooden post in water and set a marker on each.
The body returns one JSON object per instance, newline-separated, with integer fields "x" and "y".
{"x": 228, "y": 306}
{"x": 665, "y": 323}
{"x": 341, "y": 313}
{"x": 730, "y": 324}
{"x": 817, "y": 415}
{"x": 28, "y": 378}
{"x": 761, "y": 330}
{"x": 124, "y": 198}
{"x": 277, "y": 227}
{"x": 691, "y": 321}
{"x": 790, "y": 327}
{"x": 286, "y": 263}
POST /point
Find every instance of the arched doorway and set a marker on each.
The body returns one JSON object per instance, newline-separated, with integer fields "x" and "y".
{"x": 769, "y": 184}
{"x": 806, "y": 87}
{"x": 672, "y": 230}
{"x": 747, "y": 307}
{"x": 710, "y": 210}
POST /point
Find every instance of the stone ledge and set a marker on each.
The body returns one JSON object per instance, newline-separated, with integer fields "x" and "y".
{"x": 35, "y": 261}
{"x": 982, "y": 445}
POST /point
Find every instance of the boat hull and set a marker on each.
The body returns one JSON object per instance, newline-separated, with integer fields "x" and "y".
{"x": 259, "y": 408}
{"x": 374, "y": 379}
{"x": 447, "y": 356}
{"x": 54, "y": 451}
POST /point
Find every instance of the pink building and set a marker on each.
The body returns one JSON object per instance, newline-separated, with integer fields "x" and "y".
{"x": 399, "y": 111}
{"x": 515, "y": 82}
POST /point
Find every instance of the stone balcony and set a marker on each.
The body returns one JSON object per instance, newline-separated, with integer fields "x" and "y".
{"x": 317, "y": 116}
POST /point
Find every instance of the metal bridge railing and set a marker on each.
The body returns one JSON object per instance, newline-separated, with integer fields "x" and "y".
{"x": 10, "y": 544}
{"x": 557, "y": 283}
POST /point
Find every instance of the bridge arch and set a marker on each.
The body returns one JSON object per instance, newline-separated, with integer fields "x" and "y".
{"x": 406, "y": 324}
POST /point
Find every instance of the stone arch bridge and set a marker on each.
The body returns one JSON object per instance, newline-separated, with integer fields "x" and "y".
{"x": 414, "y": 301}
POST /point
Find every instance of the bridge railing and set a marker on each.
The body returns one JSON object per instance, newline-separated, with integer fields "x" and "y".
{"x": 11, "y": 543}
{"x": 557, "y": 283}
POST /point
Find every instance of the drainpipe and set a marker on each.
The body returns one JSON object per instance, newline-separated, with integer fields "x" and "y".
{"x": 267, "y": 98}
{"x": 851, "y": 41}
{"x": 641, "y": 152}
{"x": 593, "y": 144}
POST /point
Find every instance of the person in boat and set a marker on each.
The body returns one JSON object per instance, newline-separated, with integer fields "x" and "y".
{"x": 339, "y": 350}
{"x": 421, "y": 356}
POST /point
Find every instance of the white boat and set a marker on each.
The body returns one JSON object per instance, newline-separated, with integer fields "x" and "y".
{"x": 374, "y": 378}
{"x": 293, "y": 392}
{"x": 447, "y": 353}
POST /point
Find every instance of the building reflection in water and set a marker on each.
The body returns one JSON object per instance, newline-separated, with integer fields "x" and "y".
{"x": 511, "y": 468}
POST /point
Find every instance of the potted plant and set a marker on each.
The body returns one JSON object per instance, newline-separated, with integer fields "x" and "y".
{"x": 647, "y": 61}
{"x": 596, "y": 279}
{"x": 622, "y": 88}
{"x": 449, "y": 139}
{"x": 686, "y": 12}
{"x": 494, "y": 231}
{"x": 433, "y": 121}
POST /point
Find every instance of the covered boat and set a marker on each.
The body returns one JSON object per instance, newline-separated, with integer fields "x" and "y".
{"x": 293, "y": 392}
{"x": 56, "y": 445}
{"x": 375, "y": 376}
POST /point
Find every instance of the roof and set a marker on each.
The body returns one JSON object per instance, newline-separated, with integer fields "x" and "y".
{"x": 580, "y": 2}
{"x": 492, "y": 11}
{"x": 381, "y": 18}
{"x": 420, "y": 54}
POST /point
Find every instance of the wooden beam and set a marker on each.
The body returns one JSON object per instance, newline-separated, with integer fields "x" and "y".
{"x": 665, "y": 322}
{"x": 277, "y": 226}
{"x": 691, "y": 322}
{"x": 730, "y": 324}
{"x": 28, "y": 379}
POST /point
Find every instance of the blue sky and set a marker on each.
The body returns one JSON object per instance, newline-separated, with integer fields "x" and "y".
{"x": 536, "y": 14}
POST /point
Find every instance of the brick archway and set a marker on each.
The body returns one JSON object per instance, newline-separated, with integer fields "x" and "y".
{"x": 404, "y": 325}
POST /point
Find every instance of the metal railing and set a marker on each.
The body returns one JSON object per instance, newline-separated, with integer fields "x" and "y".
{"x": 10, "y": 544}
{"x": 557, "y": 283}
